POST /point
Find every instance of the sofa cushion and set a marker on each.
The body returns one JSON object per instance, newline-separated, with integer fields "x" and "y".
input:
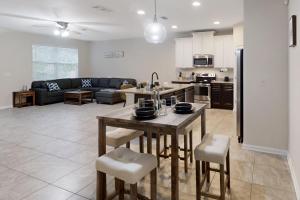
{"x": 95, "y": 82}
{"x": 115, "y": 83}
{"x": 103, "y": 82}
{"x": 75, "y": 83}
{"x": 52, "y": 86}
{"x": 86, "y": 83}
{"x": 38, "y": 84}
{"x": 63, "y": 83}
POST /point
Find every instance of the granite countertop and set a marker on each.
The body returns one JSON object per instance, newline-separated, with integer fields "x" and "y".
{"x": 173, "y": 88}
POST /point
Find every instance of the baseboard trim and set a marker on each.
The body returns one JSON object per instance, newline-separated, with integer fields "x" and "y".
{"x": 5, "y": 107}
{"x": 294, "y": 177}
{"x": 265, "y": 149}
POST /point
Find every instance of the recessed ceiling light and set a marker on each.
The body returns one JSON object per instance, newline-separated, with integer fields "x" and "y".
{"x": 141, "y": 12}
{"x": 56, "y": 32}
{"x": 196, "y": 4}
{"x": 174, "y": 27}
{"x": 216, "y": 22}
{"x": 65, "y": 33}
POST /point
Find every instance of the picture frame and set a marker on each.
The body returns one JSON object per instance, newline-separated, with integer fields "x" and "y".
{"x": 293, "y": 31}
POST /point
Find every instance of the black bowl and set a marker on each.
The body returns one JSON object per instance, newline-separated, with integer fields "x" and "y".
{"x": 149, "y": 103}
{"x": 144, "y": 111}
{"x": 183, "y": 106}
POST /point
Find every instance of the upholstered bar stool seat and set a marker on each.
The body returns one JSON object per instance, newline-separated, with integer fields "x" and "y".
{"x": 130, "y": 167}
{"x": 121, "y": 136}
{"x": 215, "y": 149}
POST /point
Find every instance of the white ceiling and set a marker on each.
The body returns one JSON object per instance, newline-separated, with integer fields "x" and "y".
{"x": 121, "y": 21}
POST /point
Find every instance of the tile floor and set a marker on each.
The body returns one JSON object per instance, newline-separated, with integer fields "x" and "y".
{"x": 48, "y": 153}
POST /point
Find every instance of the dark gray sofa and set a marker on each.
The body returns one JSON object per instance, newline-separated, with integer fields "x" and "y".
{"x": 43, "y": 96}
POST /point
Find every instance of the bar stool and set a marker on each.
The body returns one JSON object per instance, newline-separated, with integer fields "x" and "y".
{"x": 215, "y": 149}
{"x": 130, "y": 167}
{"x": 187, "y": 149}
{"x": 121, "y": 136}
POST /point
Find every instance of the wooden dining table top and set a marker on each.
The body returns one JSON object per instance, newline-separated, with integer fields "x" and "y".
{"x": 171, "y": 120}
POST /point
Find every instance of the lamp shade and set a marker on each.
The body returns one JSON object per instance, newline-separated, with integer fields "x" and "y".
{"x": 155, "y": 33}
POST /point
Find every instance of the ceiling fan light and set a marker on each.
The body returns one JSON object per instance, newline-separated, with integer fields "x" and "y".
{"x": 65, "y": 33}
{"x": 155, "y": 33}
{"x": 56, "y": 32}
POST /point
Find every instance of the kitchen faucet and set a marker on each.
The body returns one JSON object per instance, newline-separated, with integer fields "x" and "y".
{"x": 152, "y": 83}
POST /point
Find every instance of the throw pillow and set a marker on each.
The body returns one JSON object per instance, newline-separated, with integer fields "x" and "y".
{"x": 53, "y": 86}
{"x": 86, "y": 83}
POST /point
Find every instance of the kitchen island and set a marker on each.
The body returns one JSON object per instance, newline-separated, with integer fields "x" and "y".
{"x": 184, "y": 93}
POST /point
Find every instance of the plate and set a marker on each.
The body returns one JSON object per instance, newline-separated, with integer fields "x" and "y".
{"x": 184, "y": 111}
{"x": 149, "y": 117}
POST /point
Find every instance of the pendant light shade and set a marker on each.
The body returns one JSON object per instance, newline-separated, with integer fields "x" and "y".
{"x": 155, "y": 32}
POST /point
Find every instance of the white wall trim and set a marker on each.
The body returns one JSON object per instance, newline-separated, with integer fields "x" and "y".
{"x": 293, "y": 174}
{"x": 5, "y": 107}
{"x": 265, "y": 149}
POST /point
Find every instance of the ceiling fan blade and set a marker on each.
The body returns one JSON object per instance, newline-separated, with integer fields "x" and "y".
{"x": 76, "y": 32}
{"x": 42, "y": 26}
{"x": 24, "y": 17}
{"x": 94, "y": 23}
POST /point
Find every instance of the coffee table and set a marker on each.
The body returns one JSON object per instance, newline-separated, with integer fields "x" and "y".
{"x": 78, "y": 97}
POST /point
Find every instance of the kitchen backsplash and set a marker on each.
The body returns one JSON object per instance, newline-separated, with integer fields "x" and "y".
{"x": 186, "y": 73}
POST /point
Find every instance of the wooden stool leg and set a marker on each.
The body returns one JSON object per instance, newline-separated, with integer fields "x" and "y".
{"x": 153, "y": 182}
{"x": 191, "y": 146}
{"x": 119, "y": 185}
{"x": 222, "y": 182}
{"x": 228, "y": 169}
{"x": 128, "y": 145}
{"x": 198, "y": 180}
{"x": 208, "y": 172}
{"x": 133, "y": 192}
{"x": 158, "y": 148}
{"x": 165, "y": 145}
{"x": 185, "y": 154}
{"x": 141, "y": 144}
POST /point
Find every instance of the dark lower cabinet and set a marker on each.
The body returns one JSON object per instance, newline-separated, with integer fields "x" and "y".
{"x": 222, "y": 95}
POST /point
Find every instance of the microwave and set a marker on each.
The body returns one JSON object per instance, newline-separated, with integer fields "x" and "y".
{"x": 203, "y": 60}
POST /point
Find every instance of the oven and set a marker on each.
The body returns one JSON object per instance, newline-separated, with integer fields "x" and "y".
{"x": 203, "y": 60}
{"x": 202, "y": 93}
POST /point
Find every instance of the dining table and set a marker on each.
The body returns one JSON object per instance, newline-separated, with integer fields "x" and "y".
{"x": 172, "y": 124}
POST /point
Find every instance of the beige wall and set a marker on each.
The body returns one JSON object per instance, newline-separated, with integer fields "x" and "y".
{"x": 266, "y": 73}
{"x": 16, "y": 60}
{"x": 141, "y": 59}
{"x": 294, "y": 97}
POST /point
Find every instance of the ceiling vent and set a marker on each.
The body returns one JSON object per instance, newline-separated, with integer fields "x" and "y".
{"x": 102, "y": 8}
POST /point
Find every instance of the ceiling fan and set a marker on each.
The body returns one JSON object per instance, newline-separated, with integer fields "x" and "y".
{"x": 61, "y": 28}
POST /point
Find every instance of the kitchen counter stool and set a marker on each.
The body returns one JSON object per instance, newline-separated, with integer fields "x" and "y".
{"x": 121, "y": 136}
{"x": 130, "y": 167}
{"x": 215, "y": 149}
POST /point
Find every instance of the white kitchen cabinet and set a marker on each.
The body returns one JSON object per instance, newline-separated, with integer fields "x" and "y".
{"x": 218, "y": 52}
{"x": 184, "y": 52}
{"x": 238, "y": 36}
{"x": 203, "y": 42}
{"x": 229, "y": 55}
{"x": 224, "y": 52}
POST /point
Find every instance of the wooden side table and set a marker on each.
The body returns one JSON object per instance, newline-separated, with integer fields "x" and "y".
{"x": 23, "y": 98}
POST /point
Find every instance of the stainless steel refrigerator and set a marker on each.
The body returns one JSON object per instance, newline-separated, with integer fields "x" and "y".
{"x": 240, "y": 100}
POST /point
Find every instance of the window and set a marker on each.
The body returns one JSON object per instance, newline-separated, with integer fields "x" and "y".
{"x": 53, "y": 63}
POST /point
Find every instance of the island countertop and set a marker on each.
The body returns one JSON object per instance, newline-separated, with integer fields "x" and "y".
{"x": 165, "y": 89}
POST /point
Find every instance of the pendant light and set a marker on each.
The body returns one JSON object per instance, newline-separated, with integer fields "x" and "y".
{"x": 155, "y": 32}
